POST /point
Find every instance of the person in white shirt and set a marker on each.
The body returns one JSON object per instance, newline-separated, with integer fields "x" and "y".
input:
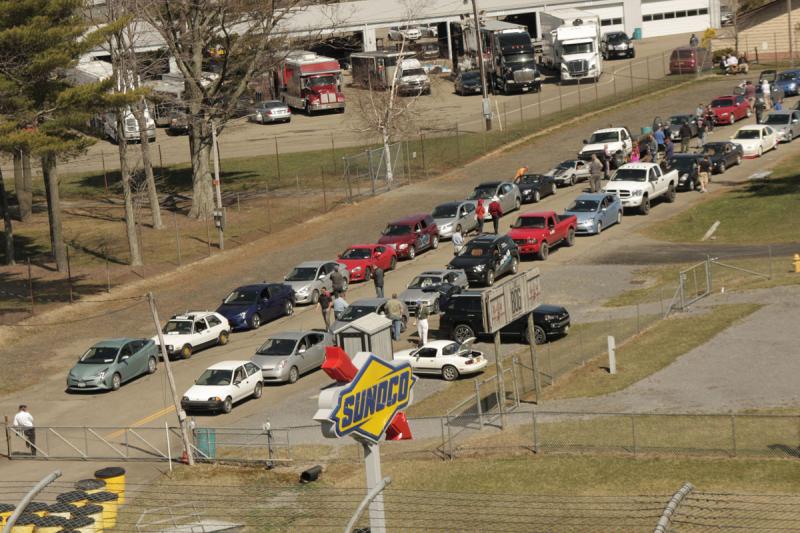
{"x": 458, "y": 242}
{"x": 24, "y": 420}
{"x": 339, "y": 306}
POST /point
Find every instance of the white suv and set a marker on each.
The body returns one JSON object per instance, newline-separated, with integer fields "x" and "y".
{"x": 184, "y": 334}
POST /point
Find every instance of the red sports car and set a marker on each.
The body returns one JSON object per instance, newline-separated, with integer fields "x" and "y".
{"x": 729, "y": 109}
{"x": 362, "y": 259}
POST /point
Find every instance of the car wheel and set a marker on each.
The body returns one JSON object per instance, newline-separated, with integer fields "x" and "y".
{"x": 645, "y": 207}
{"x": 599, "y": 228}
{"x": 258, "y": 390}
{"x": 517, "y": 204}
{"x": 227, "y": 405}
{"x": 760, "y": 152}
{"x": 314, "y": 297}
{"x": 514, "y": 265}
{"x": 619, "y": 216}
{"x": 733, "y": 119}
{"x": 367, "y": 274}
{"x": 721, "y": 167}
{"x": 151, "y": 365}
{"x": 572, "y": 180}
{"x": 186, "y": 351}
{"x": 393, "y": 264}
{"x": 449, "y": 373}
{"x": 288, "y": 308}
{"x": 671, "y": 194}
{"x": 255, "y": 321}
{"x": 436, "y": 308}
{"x": 553, "y": 188}
{"x": 116, "y": 381}
{"x": 223, "y": 338}
{"x": 463, "y": 332}
{"x": 412, "y": 252}
{"x": 749, "y": 113}
{"x": 571, "y": 237}
{"x": 544, "y": 251}
{"x": 540, "y": 335}
{"x": 293, "y": 374}
{"x": 536, "y": 197}
{"x": 435, "y": 242}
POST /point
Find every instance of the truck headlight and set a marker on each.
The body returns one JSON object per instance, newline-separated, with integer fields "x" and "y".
{"x": 638, "y": 193}
{"x": 402, "y": 246}
{"x": 478, "y": 268}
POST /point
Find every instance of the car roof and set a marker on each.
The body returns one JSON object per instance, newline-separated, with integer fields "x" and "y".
{"x": 592, "y": 196}
{"x": 227, "y": 365}
{"x": 410, "y": 219}
{"x": 640, "y": 166}
{"x": 606, "y": 130}
{"x": 369, "y": 302}
{"x": 487, "y": 237}
{"x": 454, "y": 202}
{"x": 439, "y": 343}
{"x": 114, "y": 343}
{"x": 753, "y": 127}
{"x": 191, "y": 315}
{"x": 309, "y": 264}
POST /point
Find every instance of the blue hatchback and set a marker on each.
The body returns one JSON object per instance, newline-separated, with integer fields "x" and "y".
{"x": 249, "y": 306}
{"x": 789, "y": 82}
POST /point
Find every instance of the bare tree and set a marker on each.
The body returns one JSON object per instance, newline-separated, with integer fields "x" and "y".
{"x": 247, "y": 34}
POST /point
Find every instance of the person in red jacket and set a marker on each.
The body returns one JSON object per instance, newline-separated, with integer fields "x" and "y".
{"x": 496, "y": 211}
{"x": 480, "y": 212}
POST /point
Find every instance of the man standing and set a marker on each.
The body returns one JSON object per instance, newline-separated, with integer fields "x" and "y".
{"x": 422, "y": 323}
{"x": 458, "y": 242}
{"x": 658, "y": 135}
{"x": 337, "y": 280}
{"x": 480, "y": 212}
{"x": 325, "y": 302}
{"x": 595, "y": 171}
{"x": 377, "y": 279}
{"x": 765, "y": 93}
{"x": 686, "y": 136}
{"x": 24, "y": 421}
{"x": 705, "y": 171}
{"x": 606, "y": 162}
{"x": 760, "y": 108}
{"x": 339, "y": 305}
{"x": 693, "y": 41}
{"x": 496, "y": 211}
{"x": 669, "y": 149}
{"x": 394, "y": 312}
{"x": 699, "y": 110}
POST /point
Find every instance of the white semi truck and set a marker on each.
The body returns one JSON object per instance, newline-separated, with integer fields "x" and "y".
{"x": 571, "y": 44}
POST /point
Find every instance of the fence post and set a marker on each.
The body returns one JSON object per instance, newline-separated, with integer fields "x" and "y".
{"x": 514, "y": 380}
{"x": 422, "y": 153}
{"x": 177, "y": 237}
{"x": 630, "y": 70}
{"x": 449, "y": 439}
{"x": 277, "y": 160}
{"x": 69, "y": 273}
{"x": 333, "y": 153}
{"x": 370, "y": 170}
{"x": 458, "y": 145}
{"x": 324, "y": 193}
{"x": 560, "y": 101}
{"x": 535, "y": 432}
{"x": 681, "y": 277}
{"x": 733, "y": 434}
{"x": 444, "y": 441}
{"x": 30, "y": 284}
{"x": 8, "y": 437}
{"x": 478, "y": 403}
{"x": 633, "y": 434}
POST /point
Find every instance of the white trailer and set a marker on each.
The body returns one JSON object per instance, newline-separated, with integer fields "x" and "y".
{"x": 571, "y": 44}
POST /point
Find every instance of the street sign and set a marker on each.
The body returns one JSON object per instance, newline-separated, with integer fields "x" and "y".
{"x": 510, "y": 300}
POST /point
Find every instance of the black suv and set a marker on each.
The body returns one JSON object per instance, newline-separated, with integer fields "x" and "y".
{"x": 462, "y": 318}
{"x": 486, "y": 258}
{"x": 616, "y": 44}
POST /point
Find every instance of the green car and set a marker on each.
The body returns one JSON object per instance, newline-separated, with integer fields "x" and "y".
{"x": 109, "y": 364}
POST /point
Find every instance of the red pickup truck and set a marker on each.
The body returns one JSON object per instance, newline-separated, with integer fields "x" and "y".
{"x": 536, "y": 233}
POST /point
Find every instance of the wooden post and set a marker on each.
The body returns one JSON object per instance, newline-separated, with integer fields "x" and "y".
{"x": 501, "y": 385}
{"x": 69, "y": 274}
{"x": 324, "y": 193}
{"x": 333, "y": 154}
{"x": 30, "y": 284}
{"x": 105, "y": 175}
{"x": 277, "y": 160}
{"x": 537, "y": 385}
{"x": 177, "y": 237}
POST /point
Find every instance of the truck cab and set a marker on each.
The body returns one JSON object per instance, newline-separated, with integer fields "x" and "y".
{"x": 311, "y": 83}
{"x": 571, "y": 44}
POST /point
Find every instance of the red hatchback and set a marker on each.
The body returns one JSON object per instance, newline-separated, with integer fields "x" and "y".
{"x": 362, "y": 259}
{"x": 411, "y": 235}
{"x": 729, "y": 109}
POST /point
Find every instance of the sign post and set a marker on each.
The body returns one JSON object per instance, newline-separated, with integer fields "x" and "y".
{"x": 503, "y": 304}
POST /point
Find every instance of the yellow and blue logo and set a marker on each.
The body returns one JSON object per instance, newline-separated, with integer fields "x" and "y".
{"x": 367, "y": 405}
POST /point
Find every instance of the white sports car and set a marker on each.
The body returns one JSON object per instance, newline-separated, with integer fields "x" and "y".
{"x": 187, "y": 333}
{"x": 755, "y": 140}
{"x": 448, "y": 359}
{"x": 569, "y": 172}
{"x": 222, "y": 385}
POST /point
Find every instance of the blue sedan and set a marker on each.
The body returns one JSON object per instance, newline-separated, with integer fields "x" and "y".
{"x": 789, "y": 82}
{"x": 595, "y": 212}
{"x": 249, "y": 306}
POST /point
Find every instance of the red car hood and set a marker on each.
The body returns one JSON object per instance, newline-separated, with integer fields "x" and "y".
{"x": 352, "y": 263}
{"x": 718, "y": 110}
{"x": 526, "y": 233}
{"x": 396, "y": 239}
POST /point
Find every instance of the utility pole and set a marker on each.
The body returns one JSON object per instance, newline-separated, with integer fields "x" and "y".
{"x": 487, "y": 106}
{"x": 181, "y": 414}
{"x": 791, "y": 38}
{"x": 220, "y": 218}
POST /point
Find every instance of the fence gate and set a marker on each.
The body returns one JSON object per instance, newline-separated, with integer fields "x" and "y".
{"x": 365, "y": 173}
{"x": 694, "y": 283}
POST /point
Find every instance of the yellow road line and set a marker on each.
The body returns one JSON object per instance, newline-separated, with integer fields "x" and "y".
{"x": 142, "y": 421}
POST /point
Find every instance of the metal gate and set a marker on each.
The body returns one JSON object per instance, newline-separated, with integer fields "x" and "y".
{"x": 365, "y": 173}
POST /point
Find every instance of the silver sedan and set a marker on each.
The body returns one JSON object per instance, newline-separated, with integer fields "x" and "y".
{"x": 308, "y": 279}
{"x": 284, "y": 357}
{"x": 454, "y": 216}
{"x": 785, "y": 123}
{"x": 424, "y": 289}
{"x": 270, "y": 112}
{"x": 505, "y": 192}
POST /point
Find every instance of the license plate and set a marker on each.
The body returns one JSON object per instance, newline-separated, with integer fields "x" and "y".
{"x": 81, "y": 384}
{"x": 524, "y": 89}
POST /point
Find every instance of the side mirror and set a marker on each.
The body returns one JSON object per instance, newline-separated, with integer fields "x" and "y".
{"x": 585, "y": 141}
{"x": 302, "y": 350}
{"x": 237, "y": 382}
{"x": 125, "y": 357}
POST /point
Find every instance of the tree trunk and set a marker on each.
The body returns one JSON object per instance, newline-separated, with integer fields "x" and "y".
{"x": 7, "y": 229}
{"x": 200, "y": 148}
{"x": 144, "y": 141}
{"x": 27, "y": 181}
{"x": 50, "y": 174}
{"x": 22, "y": 191}
{"x": 127, "y": 195}
{"x": 387, "y": 157}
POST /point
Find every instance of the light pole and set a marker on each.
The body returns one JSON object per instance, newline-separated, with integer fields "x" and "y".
{"x": 487, "y": 106}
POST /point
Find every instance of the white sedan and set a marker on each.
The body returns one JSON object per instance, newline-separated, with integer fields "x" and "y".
{"x": 755, "y": 140}
{"x": 222, "y": 385}
{"x": 448, "y": 359}
{"x": 185, "y": 334}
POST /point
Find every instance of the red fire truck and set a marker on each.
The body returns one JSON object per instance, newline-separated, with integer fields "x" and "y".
{"x": 311, "y": 82}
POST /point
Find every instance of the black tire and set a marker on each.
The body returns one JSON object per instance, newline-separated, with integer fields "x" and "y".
{"x": 619, "y": 216}
{"x": 553, "y": 188}
{"x": 227, "y": 405}
{"x": 538, "y": 334}
{"x": 435, "y": 242}
{"x": 449, "y": 373}
{"x": 412, "y": 251}
{"x": 223, "y": 338}
{"x": 368, "y": 274}
{"x": 570, "y": 238}
{"x": 645, "y": 207}
{"x": 572, "y": 181}
{"x": 488, "y": 278}
{"x": 255, "y": 321}
{"x": 294, "y": 374}
{"x": 721, "y": 169}
{"x": 186, "y": 351}
{"x": 258, "y": 390}
{"x": 152, "y": 365}
{"x": 393, "y": 264}
{"x": 314, "y": 297}
{"x": 116, "y": 381}
{"x": 462, "y": 332}
{"x": 517, "y": 204}
{"x": 288, "y": 308}
{"x": 671, "y": 194}
{"x": 514, "y": 265}
{"x": 544, "y": 251}
{"x": 536, "y": 197}
{"x": 632, "y": 54}
{"x": 436, "y": 308}
{"x": 599, "y": 228}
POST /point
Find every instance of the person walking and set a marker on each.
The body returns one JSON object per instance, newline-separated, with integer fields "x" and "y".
{"x": 23, "y": 421}
{"x": 693, "y": 41}
{"x": 394, "y": 312}
{"x": 760, "y": 107}
{"x": 595, "y": 173}
{"x": 750, "y": 93}
{"x": 480, "y": 212}
{"x": 377, "y": 279}
{"x": 337, "y": 280}
{"x": 765, "y": 94}
{"x": 339, "y": 306}
{"x": 705, "y": 171}
{"x": 686, "y": 136}
{"x": 669, "y": 149}
{"x": 458, "y": 242}
{"x": 658, "y": 135}
{"x": 496, "y": 210}
{"x": 606, "y": 162}
{"x": 325, "y": 303}
{"x": 701, "y": 132}
{"x": 422, "y": 323}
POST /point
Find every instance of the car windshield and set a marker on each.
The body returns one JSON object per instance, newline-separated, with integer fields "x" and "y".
{"x": 277, "y": 347}
{"x": 477, "y": 250}
{"x": 242, "y": 296}
{"x": 617, "y": 37}
{"x": 483, "y": 193}
{"x": 679, "y": 120}
{"x": 603, "y": 137}
{"x": 302, "y": 274}
{"x": 98, "y": 355}
{"x": 471, "y": 76}
{"x": 414, "y": 72}
{"x": 630, "y": 174}
{"x": 747, "y": 134}
{"x": 321, "y": 80}
{"x": 683, "y": 163}
{"x": 355, "y": 312}
{"x": 531, "y": 178}
{"x": 787, "y": 75}
{"x": 397, "y": 229}
{"x": 519, "y": 58}
{"x": 420, "y": 282}
{"x": 356, "y": 253}
{"x": 272, "y": 104}
{"x": 566, "y": 165}
{"x": 777, "y": 119}
{"x": 578, "y": 48}
{"x": 445, "y": 211}
{"x": 530, "y": 222}
{"x": 722, "y": 102}
{"x": 181, "y": 327}
{"x": 215, "y": 378}
{"x": 584, "y": 206}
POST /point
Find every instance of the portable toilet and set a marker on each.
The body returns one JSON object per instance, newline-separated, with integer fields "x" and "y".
{"x": 370, "y": 333}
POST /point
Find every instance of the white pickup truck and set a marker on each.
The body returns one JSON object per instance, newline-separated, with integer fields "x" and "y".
{"x": 638, "y": 184}
{"x": 618, "y": 141}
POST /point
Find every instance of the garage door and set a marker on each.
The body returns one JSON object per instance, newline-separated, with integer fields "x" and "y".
{"x": 610, "y": 14}
{"x": 668, "y": 17}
